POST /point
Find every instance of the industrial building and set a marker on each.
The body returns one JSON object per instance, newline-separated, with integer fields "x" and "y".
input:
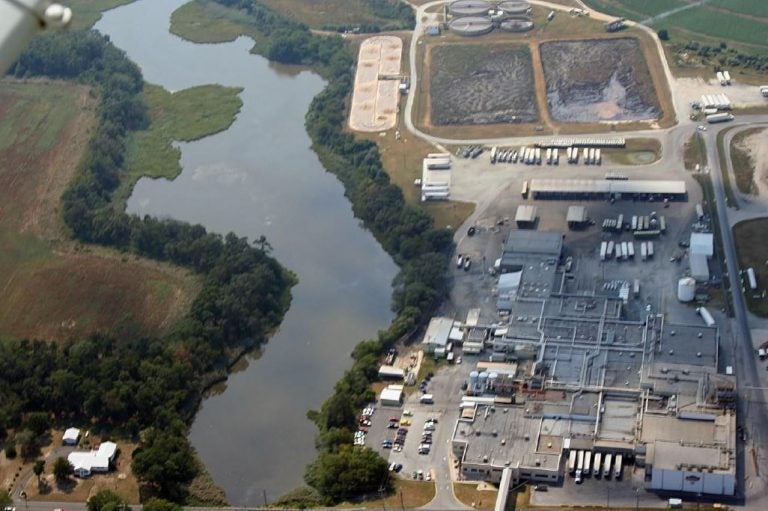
{"x": 71, "y": 436}
{"x": 606, "y": 189}
{"x": 436, "y": 337}
{"x": 525, "y": 217}
{"x": 392, "y": 395}
{"x": 577, "y": 217}
{"x": 579, "y": 374}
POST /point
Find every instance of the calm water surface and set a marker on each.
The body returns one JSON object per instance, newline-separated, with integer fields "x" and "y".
{"x": 261, "y": 177}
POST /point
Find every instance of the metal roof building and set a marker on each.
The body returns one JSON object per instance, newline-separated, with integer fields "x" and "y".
{"x": 699, "y": 267}
{"x": 603, "y": 188}
{"x": 534, "y": 242}
{"x": 702, "y": 243}
{"x": 525, "y": 215}
{"x": 577, "y": 216}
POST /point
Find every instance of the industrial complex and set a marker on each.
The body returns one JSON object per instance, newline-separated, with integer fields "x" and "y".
{"x": 586, "y": 349}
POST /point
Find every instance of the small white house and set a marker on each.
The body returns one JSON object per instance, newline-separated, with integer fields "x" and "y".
{"x": 391, "y": 396}
{"x": 86, "y": 463}
{"x": 71, "y": 436}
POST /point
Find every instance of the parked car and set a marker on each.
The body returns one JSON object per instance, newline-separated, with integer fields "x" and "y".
{"x": 405, "y": 422}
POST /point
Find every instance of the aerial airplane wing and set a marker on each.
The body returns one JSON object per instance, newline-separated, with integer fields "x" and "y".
{"x": 21, "y": 20}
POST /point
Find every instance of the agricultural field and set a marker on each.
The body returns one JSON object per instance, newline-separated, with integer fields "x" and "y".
{"x": 52, "y": 287}
{"x": 598, "y": 80}
{"x": 752, "y": 255}
{"x": 743, "y": 22}
{"x": 482, "y": 84}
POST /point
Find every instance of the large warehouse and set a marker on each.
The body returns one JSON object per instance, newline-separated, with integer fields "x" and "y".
{"x": 605, "y": 189}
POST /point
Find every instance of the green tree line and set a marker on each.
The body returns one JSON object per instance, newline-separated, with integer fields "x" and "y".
{"x": 138, "y": 384}
{"x": 407, "y": 233}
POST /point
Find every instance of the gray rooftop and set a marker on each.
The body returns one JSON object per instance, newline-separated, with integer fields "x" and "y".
{"x": 534, "y": 242}
{"x": 606, "y": 186}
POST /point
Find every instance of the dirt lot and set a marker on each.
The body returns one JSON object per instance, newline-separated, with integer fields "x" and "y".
{"x": 598, "y": 80}
{"x": 752, "y": 254}
{"x": 51, "y": 286}
{"x": 749, "y": 154}
{"x": 482, "y": 84}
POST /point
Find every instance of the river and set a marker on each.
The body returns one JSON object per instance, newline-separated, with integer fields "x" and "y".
{"x": 261, "y": 177}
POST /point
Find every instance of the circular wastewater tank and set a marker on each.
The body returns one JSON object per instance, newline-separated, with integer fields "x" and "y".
{"x": 516, "y": 25}
{"x": 686, "y": 289}
{"x": 513, "y": 7}
{"x": 471, "y": 25}
{"x": 469, "y": 7}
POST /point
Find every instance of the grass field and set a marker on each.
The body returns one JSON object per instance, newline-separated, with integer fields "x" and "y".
{"x": 53, "y": 288}
{"x": 743, "y": 166}
{"x": 694, "y": 152}
{"x": 183, "y": 116}
{"x": 752, "y": 254}
{"x": 730, "y": 197}
{"x": 469, "y": 495}
{"x": 202, "y": 22}
{"x": 408, "y": 494}
{"x": 743, "y": 22}
{"x": 322, "y": 13}
{"x": 88, "y": 12}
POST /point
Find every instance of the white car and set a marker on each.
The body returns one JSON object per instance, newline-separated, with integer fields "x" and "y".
{"x": 701, "y": 127}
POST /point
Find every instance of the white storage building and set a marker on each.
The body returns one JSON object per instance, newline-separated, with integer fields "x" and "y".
{"x": 71, "y": 436}
{"x": 699, "y": 267}
{"x": 702, "y": 243}
{"x": 392, "y": 395}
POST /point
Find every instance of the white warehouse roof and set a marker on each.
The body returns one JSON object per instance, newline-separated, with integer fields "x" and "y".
{"x": 525, "y": 213}
{"x": 438, "y": 331}
{"x": 606, "y": 186}
{"x": 702, "y": 243}
{"x": 85, "y": 462}
{"x": 699, "y": 267}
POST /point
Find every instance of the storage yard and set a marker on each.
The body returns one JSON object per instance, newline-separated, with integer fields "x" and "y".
{"x": 482, "y": 84}
{"x": 598, "y": 80}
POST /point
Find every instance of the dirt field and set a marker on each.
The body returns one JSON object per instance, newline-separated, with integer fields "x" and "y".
{"x": 482, "y": 84}
{"x": 749, "y": 154}
{"x": 53, "y": 288}
{"x": 374, "y": 100}
{"x": 598, "y": 80}
{"x": 752, "y": 255}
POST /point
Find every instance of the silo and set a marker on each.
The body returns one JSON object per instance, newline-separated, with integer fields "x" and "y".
{"x": 483, "y": 380}
{"x": 473, "y": 380}
{"x": 686, "y": 289}
{"x": 492, "y": 377}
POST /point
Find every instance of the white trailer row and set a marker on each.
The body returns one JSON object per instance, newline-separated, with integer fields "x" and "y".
{"x": 724, "y": 77}
{"x": 564, "y": 142}
{"x": 625, "y": 250}
{"x": 586, "y": 463}
{"x": 719, "y": 101}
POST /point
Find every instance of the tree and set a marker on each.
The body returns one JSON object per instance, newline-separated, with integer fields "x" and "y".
{"x": 29, "y": 446}
{"x": 10, "y": 450}
{"x": 38, "y": 468}
{"x": 62, "y": 469}
{"x": 160, "y": 505}
{"x": 348, "y": 473}
{"x": 663, "y": 34}
{"x": 106, "y": 500}
{"x": 165, "y": 460}
{"x": 38, "y": 423}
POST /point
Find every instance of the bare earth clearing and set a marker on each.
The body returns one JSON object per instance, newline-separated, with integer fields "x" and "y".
{"x": 598, "y": 80}
{"x": 482, "y": 84}
{"x": 756, "y": 146}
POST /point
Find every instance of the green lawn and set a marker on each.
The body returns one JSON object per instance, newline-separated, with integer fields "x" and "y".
{"x": 753, "y": 255}
{"x": 183, "y": 116}
{"x": 35, "y": 118}
{"x": 634, "y": 9}
{"x": 720, "y": 25}
{"x": 752, "y": 7}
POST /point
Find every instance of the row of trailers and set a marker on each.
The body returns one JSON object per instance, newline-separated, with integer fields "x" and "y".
{"x": 550, "y": 155}
{"x": 624, "y": 250}
{"x": 583, "y": 464}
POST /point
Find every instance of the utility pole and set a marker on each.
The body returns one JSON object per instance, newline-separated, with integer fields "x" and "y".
{"x": 264, "y": 493}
